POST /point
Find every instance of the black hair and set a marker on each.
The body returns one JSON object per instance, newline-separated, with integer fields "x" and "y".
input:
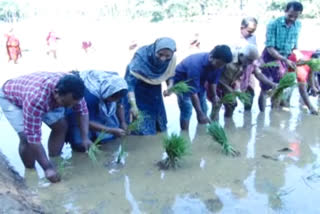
{"x": 245, "y": 21}
{"x": 316, "y": 54}
{"x": 295, "y": 5}
{"x": 222, "y": 52}
{"x": 71, "y": 84}
{"x": 120, "y": 94}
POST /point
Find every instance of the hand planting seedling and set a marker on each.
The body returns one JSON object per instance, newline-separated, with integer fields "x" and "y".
{"x": 135, "y": 125}
{"x": 287, "y": 81}
{"x": 61, "y": 165}
{"x": 230, "y": 98}
{"x": 219, "y": 135}
{"x": 176, "y": 148}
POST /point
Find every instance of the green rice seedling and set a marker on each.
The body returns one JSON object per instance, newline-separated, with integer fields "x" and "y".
{"x": 271, "y": 64}
{"x": 180, "y": 88}
{"x": 219, "y": 135}
{"x": 314, "y": 64}
{"x": 136, "y": 124}
{"x": 176, "y": 148}
{"x": 94, "y": 149}
{"x": 121, "y": 155}
{"x": 230, "y": 98}
{"x": 61, "y": 165}
{"x": 287, "y": 81}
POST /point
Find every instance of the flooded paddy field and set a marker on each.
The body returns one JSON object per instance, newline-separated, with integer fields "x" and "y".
{"x": 278, "y": 170}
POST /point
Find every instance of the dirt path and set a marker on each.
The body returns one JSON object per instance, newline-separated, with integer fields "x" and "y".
{"x": 14, "y": 195}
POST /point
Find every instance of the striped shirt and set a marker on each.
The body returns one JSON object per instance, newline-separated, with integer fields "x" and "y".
{"x": 282, "y": 37}
{"x": 34, "y": 94}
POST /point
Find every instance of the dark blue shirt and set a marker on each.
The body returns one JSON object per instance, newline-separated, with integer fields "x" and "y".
{"x": 196, "y": 70}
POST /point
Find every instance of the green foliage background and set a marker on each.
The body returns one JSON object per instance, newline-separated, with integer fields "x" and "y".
{"x": 150, "y": 10}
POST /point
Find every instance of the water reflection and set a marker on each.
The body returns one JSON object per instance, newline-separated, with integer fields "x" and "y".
{"x": 208, "y": 181}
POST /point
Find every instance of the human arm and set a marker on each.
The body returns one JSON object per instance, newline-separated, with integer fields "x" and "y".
{"x": 273, "y": 52}
{"x": 132, "y": 81}
{"x": 170, "y": 83}
{"x": 102, "y": 128}
{"x": 262, "y": 78}
{"x": 202, "y": 118}
{"x": 83, "y": 122}
{"x": 271, "y": 45}
{"x": 82, "y": 118}
{"x": 305, "y": 98}
{"x": 30, "y": 138}
{"x": 121, "y": 116}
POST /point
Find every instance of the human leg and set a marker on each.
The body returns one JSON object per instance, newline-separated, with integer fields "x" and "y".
{"x": 185, "y": 106}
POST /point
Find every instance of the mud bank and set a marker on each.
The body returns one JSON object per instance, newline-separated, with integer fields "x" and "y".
{"x": 14, "y": 195}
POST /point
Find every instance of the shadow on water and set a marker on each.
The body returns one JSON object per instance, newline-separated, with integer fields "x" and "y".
{"x": 278, "y": 170}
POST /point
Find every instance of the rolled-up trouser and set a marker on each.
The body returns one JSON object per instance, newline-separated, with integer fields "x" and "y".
{"x": 185, "y": 105}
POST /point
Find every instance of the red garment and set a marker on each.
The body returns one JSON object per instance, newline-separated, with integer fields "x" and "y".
{"x": 303, "y": 71}
{"x": 13, "y": 47}
{"x": 52, "y": 39}
{"x": 34, "y": 94}
{"x": 86, "y": 44}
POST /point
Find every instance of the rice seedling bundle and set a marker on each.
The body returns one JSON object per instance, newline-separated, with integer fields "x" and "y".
{"x": 180, "y": 88}
{"x": 287, "y": 81}
{"x": 271, "y": 64}
{"x": 219, "y": 135}
{"x": 230, "y": 98}
{"x": 314, "y": 64}
{"x": 176, "y": 148}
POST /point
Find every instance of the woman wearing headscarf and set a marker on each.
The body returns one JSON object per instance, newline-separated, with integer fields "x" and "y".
{"x": 150, "y": 66}
{"x": 103, "y": 93}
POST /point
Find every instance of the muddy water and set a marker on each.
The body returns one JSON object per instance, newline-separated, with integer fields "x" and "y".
{"x": 263, "y": 179}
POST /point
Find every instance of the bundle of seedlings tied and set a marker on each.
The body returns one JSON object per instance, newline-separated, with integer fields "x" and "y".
{"x": 94, "y": 149}
{"x": 286, "y": 82}
{"x": 219, "y": 135}
{"x": 176, "y": 147}
{"x": 230, "y": 98}
{"x": 313, "y": 63}
{"x": 180, "y": 88}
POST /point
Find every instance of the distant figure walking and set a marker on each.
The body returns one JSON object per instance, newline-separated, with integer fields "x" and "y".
{"x": 13, "y": 47}
{"x": 52, "y": 44}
